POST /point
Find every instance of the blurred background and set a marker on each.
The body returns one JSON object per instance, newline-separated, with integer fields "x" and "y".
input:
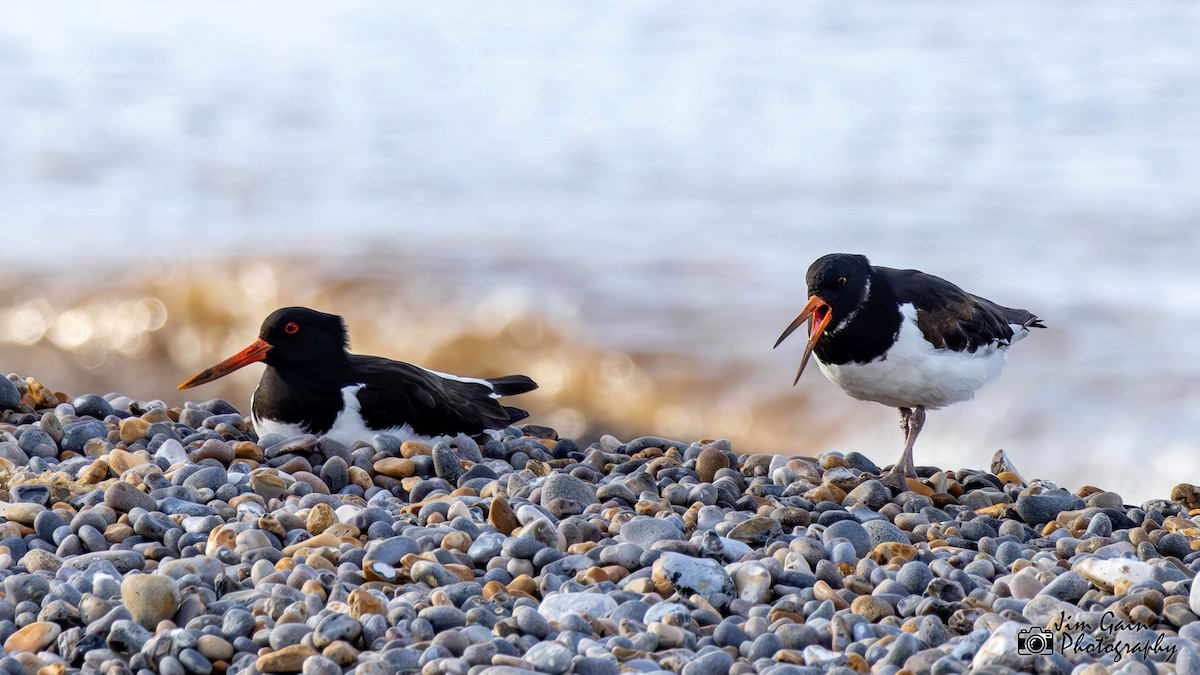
{"x": 621, "y": 201}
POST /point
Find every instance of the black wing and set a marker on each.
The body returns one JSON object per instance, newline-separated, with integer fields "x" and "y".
{"x": 951, "y": 318}
{"x": 397, "y": 393}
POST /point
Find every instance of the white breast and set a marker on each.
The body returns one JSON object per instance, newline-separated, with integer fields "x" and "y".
{"x": 913, "y": 372}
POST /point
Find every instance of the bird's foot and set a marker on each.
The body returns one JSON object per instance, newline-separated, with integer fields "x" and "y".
{"x": 896, "y": 478}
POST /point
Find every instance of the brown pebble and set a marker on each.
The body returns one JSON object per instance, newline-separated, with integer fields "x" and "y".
{"x": 456, "y": 541}
{"x": 411, "y": 448}
{"x": 122, "y": 460}
{"x": 214, "y": 648}
{"x": 360, "y": 477}
{"x": 395, "y": 467}
{"x": 270, "y": 523}
{"x": 918, "y": 487}
{"x": 1008, "y": 478}
{"x": 832, "y": 461}
{"x": 858, "y": 663}
{"x": 823, "y": 591}
{"x": 341, "y": 653}
{"x": 316, "y": 483}
{"x": 463, "y": 572}
{"x": 290, "y": 659}
{"x": 37, "y": 559}
{"x": 320, "y": 517}
{"x": 379, "y": 571}
{"x": 592, "y": 575}
{"x": 792, "y": 656}
{"x": 150, "y": 598}
{"x": 133, "y": 429}
{"x": 214, "y": 449}
{"x": 523, "y": 584}
{"x": 501, "y": 516}
{"x": 872, "y": 608}
{"x": 312, "y": 586}
{"x": 364, "y": 602}
{"x": 117, "y": 533}
{"x": 267, "y": 483}
{"x": 1186, "y": 494}
{"x": 826, "y": 492}
{"x": 295, "y": 465}
{"x": 889, "y": 550}
{"x": 23, "y": 512}
{"x": 491, "y": 588}
{"x": 32, "y": 638}
{"x": 53, "y": 669}
{"x": 94, "y": 472}
{"x": 247, "y": 450}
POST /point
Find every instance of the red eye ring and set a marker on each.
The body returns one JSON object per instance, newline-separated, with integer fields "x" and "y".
{"x": 291, "y": 328}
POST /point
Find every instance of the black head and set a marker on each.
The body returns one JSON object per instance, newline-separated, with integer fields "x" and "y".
{"x": 299, "y": 334}
{"x": 841, "y": 281}
{"x": 292, "y": 336}
{"x": 838, "y": 285}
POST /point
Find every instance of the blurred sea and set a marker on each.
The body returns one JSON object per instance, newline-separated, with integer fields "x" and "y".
{"x": 621, "y": 201}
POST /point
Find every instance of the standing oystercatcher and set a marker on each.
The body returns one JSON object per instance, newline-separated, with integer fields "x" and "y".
{"x": 313, "y": 385}
{"x": 903, "y": 338}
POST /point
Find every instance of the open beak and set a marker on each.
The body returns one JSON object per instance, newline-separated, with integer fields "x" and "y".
{"x": 257, "y": 351}
{"x": 817, "y": 310}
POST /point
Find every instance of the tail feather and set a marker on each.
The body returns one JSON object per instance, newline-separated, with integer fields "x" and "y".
{"x": 511, "y": 385}
{"x": 515, "y": 414}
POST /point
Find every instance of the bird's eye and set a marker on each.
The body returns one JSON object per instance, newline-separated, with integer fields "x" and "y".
{"x": 291, "y": 327}
{"x": 841, "y": 281}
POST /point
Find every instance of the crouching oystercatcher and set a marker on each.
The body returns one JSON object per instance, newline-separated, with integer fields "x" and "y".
{"x": 313, "y": 385}
{"x": 903, "y": 338}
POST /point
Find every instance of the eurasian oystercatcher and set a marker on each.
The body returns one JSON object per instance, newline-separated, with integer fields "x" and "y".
{"x": 903, "y": 338}
{"x": 314, "y": 385}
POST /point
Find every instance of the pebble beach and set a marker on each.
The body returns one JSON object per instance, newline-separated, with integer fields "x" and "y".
{"x": 142, "y": 538}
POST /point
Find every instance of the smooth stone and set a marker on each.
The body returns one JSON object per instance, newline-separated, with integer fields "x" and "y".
{"x": 914, "y": 576}
{"x": 1069, "y": 586}
{"x": 549, "y": 657}
{"x": 870, "y": 493}
{"x": 853, "y": 532}
{"x": 756, "y": 531}
{"x": 568, "y": 487}
{"x": 10, "y": 396}
{"x": 124, "y": 497}
{"x": 1108, "y": 573}
{"x": 290, "y": 659}
{"x": 709, "y": 462}
{"x": 150, "y": 598}
{"x": 123, "y": 561}
{"x": 753, "y": 582}
{"x": 555, "y": 606}
{"x": 1024, "y": 586}
{"x": 702, "y": 576}
{"x": 1042, "y": 508}
{"x": 33, "y": 638}
{"x": 77, "y": 434}
{"x": 881, "y": 531}
{"x": 1194, "y": 597}
{"x": 871, "y": 608}
{"x": 446, "y": 464}
{"x": 644, "y": 531}
{"x": 1000, "y": 649}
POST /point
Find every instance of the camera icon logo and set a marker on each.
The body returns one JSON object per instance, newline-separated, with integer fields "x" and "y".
{"x": 1035, "y": 642}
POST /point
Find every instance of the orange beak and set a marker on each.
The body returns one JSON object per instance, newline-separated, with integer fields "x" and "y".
{"x": 257, "y": 351}
{"x": 817, "y": 310}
